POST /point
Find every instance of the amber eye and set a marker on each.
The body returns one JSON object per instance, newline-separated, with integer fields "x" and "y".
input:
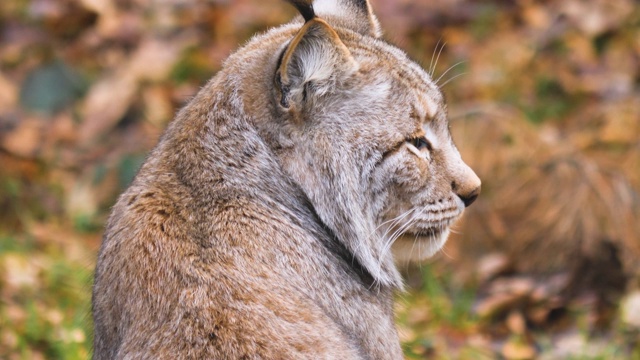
{"x": 421, "y": 143}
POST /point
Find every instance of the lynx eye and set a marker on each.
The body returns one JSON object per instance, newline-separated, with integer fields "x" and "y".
{"x": 421, "y": 143}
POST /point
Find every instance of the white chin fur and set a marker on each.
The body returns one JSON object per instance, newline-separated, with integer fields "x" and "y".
{"x": 412, "y": 249}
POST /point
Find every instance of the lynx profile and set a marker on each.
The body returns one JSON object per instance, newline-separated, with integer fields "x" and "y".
{"x": 262, "y": 224}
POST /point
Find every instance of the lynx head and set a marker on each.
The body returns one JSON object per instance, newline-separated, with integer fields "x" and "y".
{"x": 363, "y": 131}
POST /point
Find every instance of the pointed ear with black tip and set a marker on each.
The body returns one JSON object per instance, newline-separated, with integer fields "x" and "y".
{"x": 356, "y": 15}
{"x": 313, "y": 64}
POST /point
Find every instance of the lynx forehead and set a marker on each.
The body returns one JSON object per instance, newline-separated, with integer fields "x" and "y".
{"x": 268, "y": 220}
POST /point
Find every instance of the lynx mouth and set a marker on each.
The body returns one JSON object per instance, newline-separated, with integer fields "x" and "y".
{"x": 429, "y": 232}
{"x": 434, "y": 231}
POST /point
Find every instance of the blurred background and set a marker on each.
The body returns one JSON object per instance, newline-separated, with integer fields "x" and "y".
{"x": 544, "y": 102}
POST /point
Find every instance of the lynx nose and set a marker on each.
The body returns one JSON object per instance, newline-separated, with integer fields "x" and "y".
{"x": 469, "y": 188}
{"x": 469, "y": 198}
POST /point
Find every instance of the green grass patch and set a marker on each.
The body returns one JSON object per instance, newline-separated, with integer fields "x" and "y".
{"x": 45, "y": 312}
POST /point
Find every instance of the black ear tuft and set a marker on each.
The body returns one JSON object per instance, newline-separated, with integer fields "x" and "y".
{"x": 356, "y": 15}
{"x": 305, "y": 7}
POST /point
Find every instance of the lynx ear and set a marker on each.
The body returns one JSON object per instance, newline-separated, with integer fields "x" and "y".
{"x": 356, "y": 15}
{"x": 314, "y": 62}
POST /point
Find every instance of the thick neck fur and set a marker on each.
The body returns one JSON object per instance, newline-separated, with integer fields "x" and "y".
{"x": 260, "y": 148}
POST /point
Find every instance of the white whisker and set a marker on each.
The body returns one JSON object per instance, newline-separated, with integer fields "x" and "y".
{"x": 450, "y": 80}
{"x": 415, "y": 240}
{"x": 420, "y": 252}
{"x": 393, "y": 221}
{"x": 432, "y": 56}
{"x": 445, "y": 253}
{"x": 395, "y": 235}
{"x": 449, "y": 69}
{"x": 432, "y": 71}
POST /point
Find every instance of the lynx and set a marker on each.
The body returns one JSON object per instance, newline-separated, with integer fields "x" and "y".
{"x": 266, "y": 222}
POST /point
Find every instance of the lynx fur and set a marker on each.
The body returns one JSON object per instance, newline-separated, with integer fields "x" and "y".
{"x": 265, "y": 223}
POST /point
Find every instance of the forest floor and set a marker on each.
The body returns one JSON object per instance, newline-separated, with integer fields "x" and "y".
{"x": 544, "y": 102}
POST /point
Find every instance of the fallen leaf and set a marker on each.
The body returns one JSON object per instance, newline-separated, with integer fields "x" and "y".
{"x": 498, "y": 304}
{"x": 20, "y": 271}
{"x": 8, "y": 94}
{"x": 596, "y": 16}
{"x": 516, "y": 323}
{"x": 106, "y": 104}
{"x": 109, "y": 99}
{"x": 630, "y": 309}
{"x": 492, "y": 265}
{"x": 25, "y": 139}
{"x": 518, "y": 350}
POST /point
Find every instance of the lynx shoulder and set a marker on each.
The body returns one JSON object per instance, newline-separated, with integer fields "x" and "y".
{"x": 266, "y": 221}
